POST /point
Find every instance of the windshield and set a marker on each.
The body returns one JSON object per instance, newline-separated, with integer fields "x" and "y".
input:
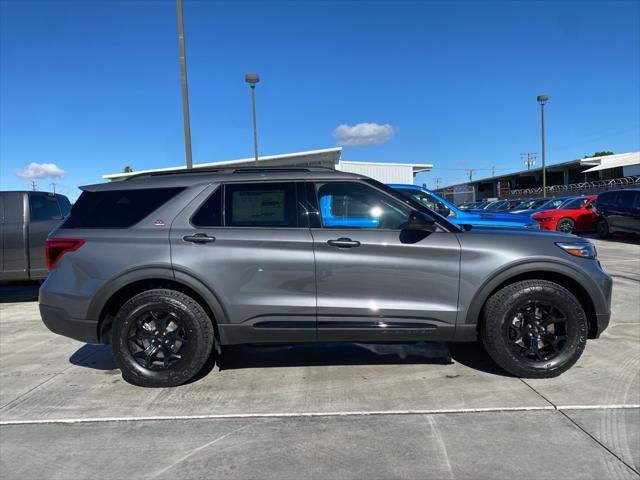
{"x": 576, "y": 203}
{"x": 528, "y": 204}
{"x": 555, "y": 203}
{"x": 428, "y": 199}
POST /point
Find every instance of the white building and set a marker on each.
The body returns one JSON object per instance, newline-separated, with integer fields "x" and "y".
{"x": 629, "y": 162}
{"x": 328, "y": 157}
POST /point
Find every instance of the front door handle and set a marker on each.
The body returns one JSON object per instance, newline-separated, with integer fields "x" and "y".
{"x": 199, "y": 238}
{"x": 344, "y": 243}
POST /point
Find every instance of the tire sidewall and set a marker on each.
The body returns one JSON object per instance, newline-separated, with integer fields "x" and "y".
{"x": 197, "y": 346}
{"x": 500, "y": 347}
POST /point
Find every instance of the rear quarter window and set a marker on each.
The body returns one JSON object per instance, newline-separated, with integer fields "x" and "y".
{"x": 117, "y": 208}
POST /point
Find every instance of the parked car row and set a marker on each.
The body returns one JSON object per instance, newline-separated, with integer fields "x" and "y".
{"x": 607, "y": 213}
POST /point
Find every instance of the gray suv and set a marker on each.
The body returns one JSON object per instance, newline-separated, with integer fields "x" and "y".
{"x": 170, "y": 267}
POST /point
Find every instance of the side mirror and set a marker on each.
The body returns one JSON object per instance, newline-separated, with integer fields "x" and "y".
{"x": 443, "y": 210}
{"x": 418, "y": 221}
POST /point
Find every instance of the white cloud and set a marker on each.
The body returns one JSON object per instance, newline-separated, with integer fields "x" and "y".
{"x": 41, "y": 170}
{"x": 363, "y": 134}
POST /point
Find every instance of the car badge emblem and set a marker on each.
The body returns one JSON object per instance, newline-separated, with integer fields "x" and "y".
{"x": 159, "y": 223}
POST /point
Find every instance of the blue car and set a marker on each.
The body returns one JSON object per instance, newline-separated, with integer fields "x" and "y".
{"x": 461, "y": 217}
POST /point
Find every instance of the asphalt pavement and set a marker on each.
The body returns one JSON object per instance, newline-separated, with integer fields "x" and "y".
{"x": 427, "y": 410}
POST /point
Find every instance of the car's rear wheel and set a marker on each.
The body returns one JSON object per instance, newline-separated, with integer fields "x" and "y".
{"x": 602, "y": 227}
{"x": 534, "y": 329}
{"x": 161, "y": 338}
{"x": 566, "y": 225}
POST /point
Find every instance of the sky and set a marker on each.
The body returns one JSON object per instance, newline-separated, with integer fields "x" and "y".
{"x": 87, "y": 88}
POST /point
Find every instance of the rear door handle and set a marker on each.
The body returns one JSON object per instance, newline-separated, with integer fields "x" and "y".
{"x": 199, "y": 238}
{"x": 344, "y": 243}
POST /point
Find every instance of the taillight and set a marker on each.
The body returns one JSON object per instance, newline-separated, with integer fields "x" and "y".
{"x": 55, "y": 248}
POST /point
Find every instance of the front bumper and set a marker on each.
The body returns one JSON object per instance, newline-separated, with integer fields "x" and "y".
{"x": 59, "y": 321}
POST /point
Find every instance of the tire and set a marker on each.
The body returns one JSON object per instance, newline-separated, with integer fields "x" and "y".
{"x": 161, "y": 338}
{"x": 602, "y": 227}
{"x": 510, "y": 311}
{"x": 566, "y": 225}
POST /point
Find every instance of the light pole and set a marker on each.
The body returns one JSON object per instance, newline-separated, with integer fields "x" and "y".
{"x": 185, "y": 91}
{"x": 542, "y": 99}
{"x": 252, "y": 79}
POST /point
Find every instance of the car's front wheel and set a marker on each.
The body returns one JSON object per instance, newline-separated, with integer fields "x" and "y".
{"x": 534, "y": 328}
{"x": 161, "y": 338}
{"x": 566, "y": 225}
{"x": 602, "y": 227}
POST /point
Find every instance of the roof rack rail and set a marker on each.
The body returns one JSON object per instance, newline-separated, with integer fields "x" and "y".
{"x": 230, "y": 170}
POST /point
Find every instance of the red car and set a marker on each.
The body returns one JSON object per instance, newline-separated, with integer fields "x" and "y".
{"x": 575, "y": 216}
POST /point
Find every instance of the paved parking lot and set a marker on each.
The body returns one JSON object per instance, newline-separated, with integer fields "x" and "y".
{"x": 323, "y": 411}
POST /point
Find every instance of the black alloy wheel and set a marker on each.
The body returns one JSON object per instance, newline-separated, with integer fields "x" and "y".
{"x": 538, "y": 331}
{"x": 156, "y": 339}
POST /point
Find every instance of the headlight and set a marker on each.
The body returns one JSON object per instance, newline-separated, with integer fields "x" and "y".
{"x": 579, "y": 249}
{"x": 545, "y": 219}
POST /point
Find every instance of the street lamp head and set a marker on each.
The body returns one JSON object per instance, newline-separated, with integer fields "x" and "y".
{"x": 252, "y": 78}
{"x": 542, "y": 99}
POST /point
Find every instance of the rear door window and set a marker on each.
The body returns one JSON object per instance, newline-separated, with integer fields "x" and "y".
{"x": 267, "y": 205}
{"x": 44, "y": 207}
{"x": 117, "y": 208}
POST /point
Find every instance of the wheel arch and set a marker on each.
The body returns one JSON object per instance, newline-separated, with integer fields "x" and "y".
{"x": 561, "y": 274}
{"x": 112, "y": 296}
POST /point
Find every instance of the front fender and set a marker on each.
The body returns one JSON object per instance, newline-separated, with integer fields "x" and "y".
{"x": 587, "y": 280}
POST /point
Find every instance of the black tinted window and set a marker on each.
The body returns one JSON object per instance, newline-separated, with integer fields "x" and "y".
{"x": 605, "y": 198}
{"x": 44, "y": 207}
{"x": 117, "y": 208}
{"x": 210, "y": 213}
{"x": 260, "y": 205}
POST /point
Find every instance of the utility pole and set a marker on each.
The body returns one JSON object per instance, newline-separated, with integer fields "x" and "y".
{"x": 471, "y": 172}
{"x": 252, "y": 79}
{"x": 493, "y": 170}
{"x": 529, "y": 159}
{"x": 34, "y": 184}
{"x": 542, "y": 99}
{"x": 185, "y": 90}
{"x": 437, "y": 182}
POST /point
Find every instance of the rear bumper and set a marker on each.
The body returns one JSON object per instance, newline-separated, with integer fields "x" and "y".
{"x": 59, "y": 321}
{"x": 602, "y": 322}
